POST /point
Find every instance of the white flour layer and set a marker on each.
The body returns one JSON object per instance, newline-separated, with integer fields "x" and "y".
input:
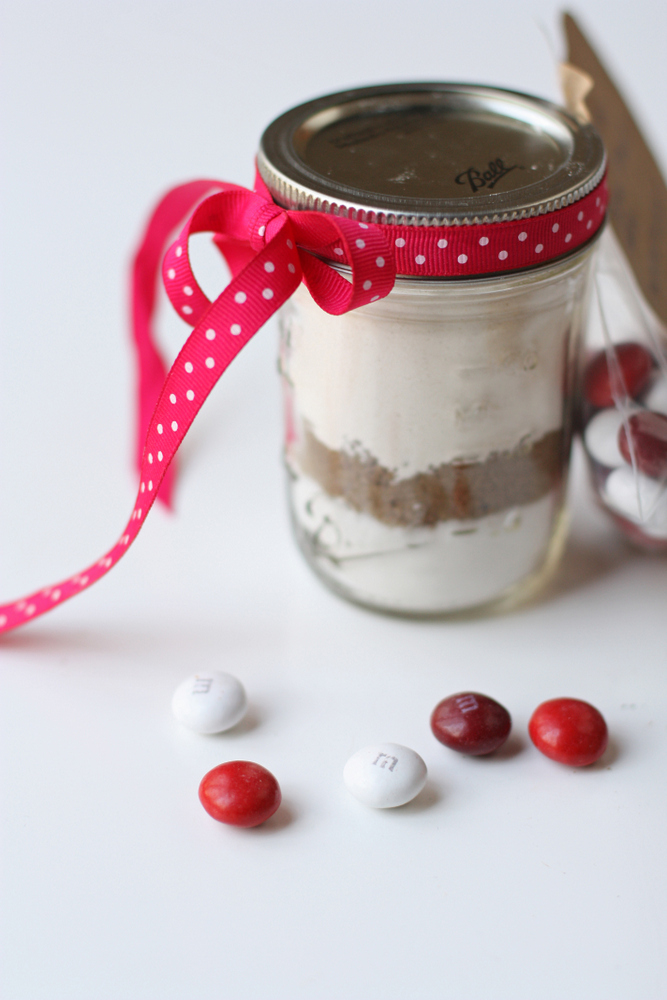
{"x": 454, "y": 565}
{"x": 433, "y": 375}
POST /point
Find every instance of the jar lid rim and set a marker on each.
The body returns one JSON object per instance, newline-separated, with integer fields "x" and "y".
{"x": 339, "y": 154}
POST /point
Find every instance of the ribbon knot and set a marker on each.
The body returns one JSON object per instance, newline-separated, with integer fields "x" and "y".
{"x": 260, "y": 230}
{"x": 247, "y": 226}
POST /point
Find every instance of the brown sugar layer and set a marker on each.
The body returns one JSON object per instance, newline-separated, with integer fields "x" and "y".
{"x": 461, "y": 491}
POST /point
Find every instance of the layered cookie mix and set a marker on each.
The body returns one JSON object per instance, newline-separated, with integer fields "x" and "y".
{"x": 427, "y": 455}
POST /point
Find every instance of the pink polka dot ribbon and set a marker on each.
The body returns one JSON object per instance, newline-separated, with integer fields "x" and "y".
{"x": 466, "y": 251}
{"x": 270, "y": 251}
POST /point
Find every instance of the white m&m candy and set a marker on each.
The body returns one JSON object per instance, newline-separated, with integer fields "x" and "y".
{"x": 656, "y": 398}
{"x": 639, "y": 498}
{"x": 601, "y": 438}
{"x": 209, "y": 702}
{"x": 385, "y": 775}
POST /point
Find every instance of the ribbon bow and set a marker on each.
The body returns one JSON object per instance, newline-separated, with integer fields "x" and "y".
{"x": 269, "y": 251}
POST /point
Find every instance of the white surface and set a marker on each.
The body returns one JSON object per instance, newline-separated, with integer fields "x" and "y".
{"x": 385, "y": 775}
{"x": 506, "y": 878}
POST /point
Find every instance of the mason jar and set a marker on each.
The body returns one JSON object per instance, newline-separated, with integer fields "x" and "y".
{"x": 428, "y": 433}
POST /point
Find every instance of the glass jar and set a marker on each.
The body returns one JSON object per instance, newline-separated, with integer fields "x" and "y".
{"x": 428, "y": 434}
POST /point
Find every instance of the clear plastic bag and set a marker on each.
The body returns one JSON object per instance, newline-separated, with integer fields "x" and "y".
{"x": 623, "y": 392}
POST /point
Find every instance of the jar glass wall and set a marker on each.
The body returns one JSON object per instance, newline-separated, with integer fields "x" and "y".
{"x": 428, "y": 437}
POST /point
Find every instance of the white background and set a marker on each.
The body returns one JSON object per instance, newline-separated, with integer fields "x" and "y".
{"x": 511, "y": 877}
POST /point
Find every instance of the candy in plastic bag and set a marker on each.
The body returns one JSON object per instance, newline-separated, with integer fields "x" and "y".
{"x": 623, "y": 390}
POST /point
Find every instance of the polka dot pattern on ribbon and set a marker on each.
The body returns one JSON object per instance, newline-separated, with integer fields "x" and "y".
{"x": 490, "y": 248}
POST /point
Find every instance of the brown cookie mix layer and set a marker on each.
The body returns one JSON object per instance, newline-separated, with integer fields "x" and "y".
{"x": 460, "y": 491}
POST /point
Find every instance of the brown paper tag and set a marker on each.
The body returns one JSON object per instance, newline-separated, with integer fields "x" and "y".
{"x": 575, "y": 86}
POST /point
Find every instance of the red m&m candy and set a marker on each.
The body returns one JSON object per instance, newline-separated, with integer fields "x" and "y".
{"x": 648, "y": 436}
{"x": 471, "y": 723}
{"x": 628, "y": 374}
{"x": 240, "y": 793}
{"x": 569, "y": 731}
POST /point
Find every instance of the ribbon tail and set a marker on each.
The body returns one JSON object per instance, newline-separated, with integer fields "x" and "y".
{"x": 222, "y": 330}
{"x": 151, "y": 368}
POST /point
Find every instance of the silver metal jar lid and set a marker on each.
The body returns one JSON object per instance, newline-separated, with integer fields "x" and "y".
{"x": 430, "y": 154}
